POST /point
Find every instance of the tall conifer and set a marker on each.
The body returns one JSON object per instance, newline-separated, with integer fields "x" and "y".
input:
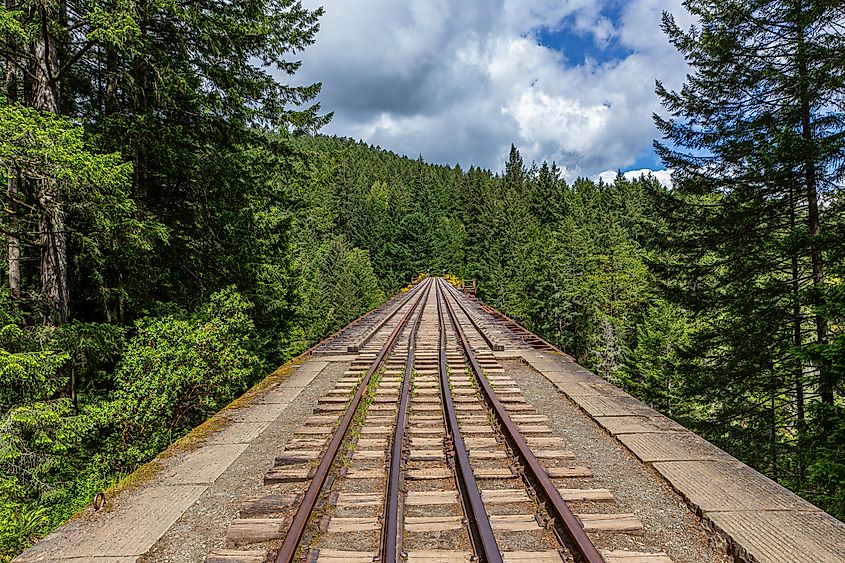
{"x": 755, "y": 138}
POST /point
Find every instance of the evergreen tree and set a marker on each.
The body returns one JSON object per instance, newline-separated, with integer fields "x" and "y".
{"x": 757, "y": 135}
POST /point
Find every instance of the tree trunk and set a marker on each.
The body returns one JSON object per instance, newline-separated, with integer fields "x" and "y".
{"x": 112, "y": 74}
{"x": 44, "y": 96}
{"x": 797, "y": 342}
{"x": 14, "y": 250}
{"x": 774, "y": 436}
{"x": 54, "y": 286}
{"x": 140, "y": 180}
{"x": 813, "y": 221}
{"x": 53, "y": 255}
{"x": 12, "y": 187}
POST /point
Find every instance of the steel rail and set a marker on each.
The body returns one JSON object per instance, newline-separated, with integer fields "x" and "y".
{"x": 391, "y": 542}
{"x": 380, "y": 325}
{"x": 555, "y": 503}
{"x": 300, "y": 520}
{"x": 481, "y": 531}
{"x": 490, "y": 344}
{"x": 501, "y": 317}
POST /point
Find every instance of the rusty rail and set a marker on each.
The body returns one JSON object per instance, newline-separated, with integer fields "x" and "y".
{"x": 390, "y": 540}
{"x": 481, "y": 531}
{"x": 357, "y": 348}
{"x": 490, "y": 344}
{"x": 518, "y": 330}
{"x": 300, "y": 520}
{"x": 554, "y": 502}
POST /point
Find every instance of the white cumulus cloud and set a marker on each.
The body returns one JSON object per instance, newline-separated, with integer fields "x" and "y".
{"x": 458, "y": 82}
{"x": 662, "y": 176}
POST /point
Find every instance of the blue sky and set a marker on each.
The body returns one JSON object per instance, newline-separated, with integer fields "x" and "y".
{"x": 579, "y": 45}
{"x": 458, "y": 82}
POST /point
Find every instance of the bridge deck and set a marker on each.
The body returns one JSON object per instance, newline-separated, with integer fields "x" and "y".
{"x": 647, "y": 465}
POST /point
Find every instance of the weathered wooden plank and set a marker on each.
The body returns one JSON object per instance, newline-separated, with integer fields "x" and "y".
{"x": 506, "y": 388}
{"x": 518, "y": 407}
{"x": 329, "y": 407}
{"x": 493, "y": 473}
{"x": 369, "y": 454}
{"x": 465, "y": 399}
{"x": 292, "y": 457}
{"x": 286, "y": 474}
{"x": 569, "y": 472}
{"x": 372, "y": 443}
{"x": 422, "y": 407}
{"x": 333, "y": 400}
{"x": 438, "y": 430}
{"x": 297, "y": 444}
{"x": 553, "y": 454}
{"x": 382, "y": 408}
{"x": 369, "y": 430}
{"x": 439, "y": 556}
{"x": 477, "y": 429}
{"x": 338, "y": 556}
{"x": 472, "y": 442}
{"x": 310, "y": 430}
{"x": 504, "y": 496}
{"x": 585, "y": 494}
{"x": 426, "y": 443}
{"x": 353, "y": 500}
{"x": 530, "y": 418}
{"x": 487, "y": 454}
{"x": 622, "y": 556}
{"x": 236, "y": 556}
{"x": 343, "y": 525}
{"x": 386, "y": 399}
{"x": 373, "y": 473}
{"x": 428, "y": 474}
{"x": 427, "y": 498}
{"x": 467, "y": 407}
{"x": 534, "y": 429}
{"x": 512, "y": 399}
{"x": 514, "y": 522}
{"x": 423, "y": 399}
{"x": 266, "y": 504}
{"x": 433, "y": 523}
{"x": 544, "y": 441}
{"x": 320, "y": 420}
{"x": 257, "y": 530}
{"x": 531, "y": 556}
{"x": 610, "y": 522}
{"x": 375, "y": 420}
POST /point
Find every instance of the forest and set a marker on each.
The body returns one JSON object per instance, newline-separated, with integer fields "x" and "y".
{"x": 174, "y": 227}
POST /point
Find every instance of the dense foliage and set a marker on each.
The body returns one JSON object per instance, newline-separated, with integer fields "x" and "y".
{"x": 683, "y": 297}
{"x": 756, "y": 221}
{"x": 172, "y": 228}
{"x": 149, "y": 202}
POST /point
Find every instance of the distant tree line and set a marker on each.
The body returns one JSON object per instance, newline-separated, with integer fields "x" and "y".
{"x": 686, "y": 298}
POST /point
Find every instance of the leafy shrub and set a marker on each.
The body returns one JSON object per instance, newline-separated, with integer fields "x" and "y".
{"x": 178, "y": 371}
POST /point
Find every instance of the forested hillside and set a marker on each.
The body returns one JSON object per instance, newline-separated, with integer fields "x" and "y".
{"x": 700, "y": 302}
{"x": 174, "y": 227}
{"x": 627, "y": 277}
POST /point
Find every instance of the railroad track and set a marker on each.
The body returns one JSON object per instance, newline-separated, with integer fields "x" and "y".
{"x": 426, "y": 451}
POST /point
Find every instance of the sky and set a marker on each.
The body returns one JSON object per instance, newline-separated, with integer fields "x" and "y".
{"x": 458, "y": 81}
